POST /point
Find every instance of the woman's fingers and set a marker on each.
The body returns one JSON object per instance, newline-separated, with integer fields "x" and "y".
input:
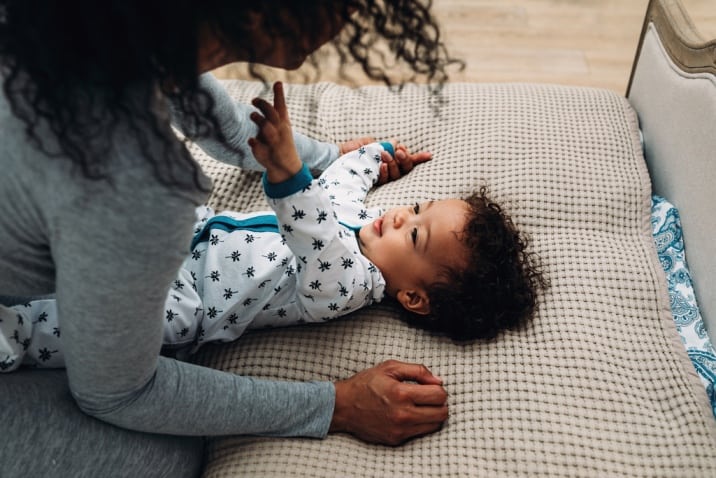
{"x": 378, "y": 406}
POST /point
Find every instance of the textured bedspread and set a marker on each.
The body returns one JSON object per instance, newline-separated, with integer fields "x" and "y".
{"x": 597, "y": 385}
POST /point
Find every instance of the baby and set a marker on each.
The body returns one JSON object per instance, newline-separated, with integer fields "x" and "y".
{"x": 458, "y": 267}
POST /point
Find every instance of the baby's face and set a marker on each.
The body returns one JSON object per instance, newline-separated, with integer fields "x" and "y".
{"x": 411, "y": 244}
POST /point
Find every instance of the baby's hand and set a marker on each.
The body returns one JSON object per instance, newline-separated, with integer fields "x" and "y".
{"x": 404, "y": 161}
{"x": 273, "y": 146}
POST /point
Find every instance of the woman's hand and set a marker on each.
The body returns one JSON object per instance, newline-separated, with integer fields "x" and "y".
{"x": 392, "y": 168}
{"x": 378, "y": 405}
{"x": 273, "y": 147}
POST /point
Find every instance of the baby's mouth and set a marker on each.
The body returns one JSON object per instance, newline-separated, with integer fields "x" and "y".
{"x": 378, "y": 226}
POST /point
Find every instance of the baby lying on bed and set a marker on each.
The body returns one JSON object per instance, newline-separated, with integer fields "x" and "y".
{"x": 458, "y": 267}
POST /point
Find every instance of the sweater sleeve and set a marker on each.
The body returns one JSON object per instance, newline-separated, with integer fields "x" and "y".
{"x": 237, "y": 127}
{"x": 116, "y": 251}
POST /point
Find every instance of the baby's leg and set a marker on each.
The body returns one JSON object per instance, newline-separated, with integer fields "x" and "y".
{"x": 15, "y": 331}
{"x": 183, "y": 312}
{"x": 30, "y": 335}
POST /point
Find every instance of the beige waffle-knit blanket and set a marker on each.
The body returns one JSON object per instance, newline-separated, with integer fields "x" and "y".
{"x": 597, "y": 385}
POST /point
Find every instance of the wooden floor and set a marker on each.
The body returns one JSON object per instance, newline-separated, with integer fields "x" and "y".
{"x": 576, "y": 42}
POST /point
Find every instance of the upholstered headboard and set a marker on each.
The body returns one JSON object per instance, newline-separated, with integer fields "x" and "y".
{"x": 673, "y": 90}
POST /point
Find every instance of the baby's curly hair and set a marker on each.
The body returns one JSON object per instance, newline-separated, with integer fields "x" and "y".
{"x": 497, "y": 289}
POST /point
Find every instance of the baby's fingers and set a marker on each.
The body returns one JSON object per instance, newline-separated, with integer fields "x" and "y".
{"x": 267, "y": 132}
{"x": 266, "y": 109}
{"x": 259, "y": 119}
{"x": 279, "y": 101}
{"x": 259, "y": 149}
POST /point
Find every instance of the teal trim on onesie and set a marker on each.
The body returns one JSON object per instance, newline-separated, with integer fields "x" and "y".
{"x": 298, "y": 182}
{"x": 388, "y": 147}
{"x": 262, "y": 223}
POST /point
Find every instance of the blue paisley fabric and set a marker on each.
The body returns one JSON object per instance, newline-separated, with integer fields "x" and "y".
{"x": 666, "y": 228}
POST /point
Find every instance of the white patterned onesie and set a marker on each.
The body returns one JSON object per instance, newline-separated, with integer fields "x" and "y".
{"x": 300, "y": 263}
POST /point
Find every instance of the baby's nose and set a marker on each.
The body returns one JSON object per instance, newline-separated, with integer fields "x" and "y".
{"x": 399, "y": 219}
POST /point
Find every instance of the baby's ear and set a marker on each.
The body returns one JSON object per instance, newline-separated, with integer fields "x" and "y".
{"x": 415, "y": 301}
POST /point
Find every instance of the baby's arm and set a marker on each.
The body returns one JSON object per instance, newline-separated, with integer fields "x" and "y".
{"x": 332, "y": 278}
{"x": 235, "y": 126}
{"x": 355, "y": 173}
{"x": 273, "y": 146}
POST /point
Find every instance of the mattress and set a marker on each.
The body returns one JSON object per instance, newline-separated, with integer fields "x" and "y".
{"x": 597, "y": 384}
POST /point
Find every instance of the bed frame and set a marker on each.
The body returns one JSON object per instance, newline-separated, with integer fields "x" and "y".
{"x": 673, "y": 90}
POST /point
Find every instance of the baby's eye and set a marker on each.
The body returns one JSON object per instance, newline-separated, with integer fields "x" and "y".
{"x": 416, "y": 208}
{"x": 414, "y": 235}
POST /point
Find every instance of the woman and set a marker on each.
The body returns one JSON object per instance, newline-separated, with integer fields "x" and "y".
{"x": 91, "y": 164}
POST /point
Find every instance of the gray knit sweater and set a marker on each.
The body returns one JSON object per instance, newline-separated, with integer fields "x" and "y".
{"x": 109, "y": 252}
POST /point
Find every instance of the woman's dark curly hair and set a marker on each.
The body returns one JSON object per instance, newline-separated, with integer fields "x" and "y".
{"x": 62, "y": 59}
{"x": 496, "y": 290}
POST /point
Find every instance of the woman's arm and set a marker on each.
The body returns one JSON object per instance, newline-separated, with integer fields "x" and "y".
{"x": 116, "y": 250}
{"x": 234, "y": 121}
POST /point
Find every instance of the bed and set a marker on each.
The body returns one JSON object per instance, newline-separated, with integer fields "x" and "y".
{"x": 600, "y": 383}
